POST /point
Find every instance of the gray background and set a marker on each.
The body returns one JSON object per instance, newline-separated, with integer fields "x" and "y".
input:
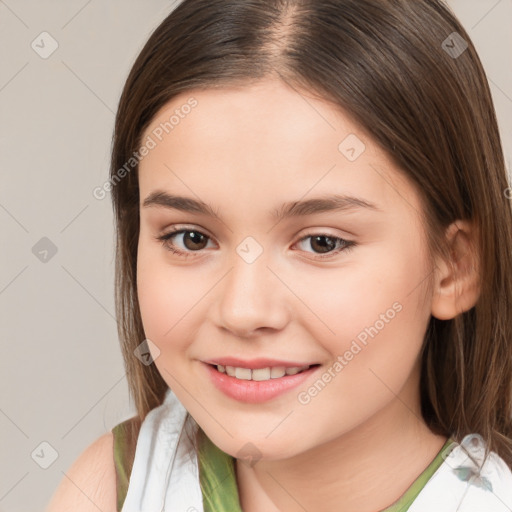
{"x": 61, "y": 371}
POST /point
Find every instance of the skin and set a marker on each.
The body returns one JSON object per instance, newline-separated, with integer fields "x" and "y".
{"x": 361, "y": 441}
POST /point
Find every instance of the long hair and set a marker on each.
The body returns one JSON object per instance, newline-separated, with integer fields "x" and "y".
{"x": 408, "y": 74}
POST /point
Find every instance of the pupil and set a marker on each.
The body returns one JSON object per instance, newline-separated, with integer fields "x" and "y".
{"x": 194, "y": 237}
{"x": 197, "y": 238}
{"x": 330, "y": 245}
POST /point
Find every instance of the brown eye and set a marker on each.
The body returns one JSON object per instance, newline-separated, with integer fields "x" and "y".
{"x": 325, "y": 245}
{"x": 191, "y": 241}
{"x": 194, "y": 240}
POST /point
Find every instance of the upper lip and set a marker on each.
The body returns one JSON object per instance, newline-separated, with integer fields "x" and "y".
{"x": 254, "y": 364}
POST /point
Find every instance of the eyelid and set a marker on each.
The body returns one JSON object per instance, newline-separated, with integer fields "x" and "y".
{"x": 309, "y": 232}
{"x": 326, "y": 232}
{"x": 348, "y": 244}
{"x": 180, "y": 229}
{"x": 165, "y": 237}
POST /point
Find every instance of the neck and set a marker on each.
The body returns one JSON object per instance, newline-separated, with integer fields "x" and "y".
{"x": 365, "y": 470}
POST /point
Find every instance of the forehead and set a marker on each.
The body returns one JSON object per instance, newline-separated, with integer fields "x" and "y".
{"x": 269, "y": 140}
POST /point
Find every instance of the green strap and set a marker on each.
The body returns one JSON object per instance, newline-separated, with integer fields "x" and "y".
{"x": 220, "y": 492}
{"x": 125, "y": 438}
{"x": 407, "y": 499}
{"x": 217, "y": 478}
{"x": 217, "y": 474}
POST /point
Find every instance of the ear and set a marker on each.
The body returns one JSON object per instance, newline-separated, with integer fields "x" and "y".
{"x": 456, "y": 283}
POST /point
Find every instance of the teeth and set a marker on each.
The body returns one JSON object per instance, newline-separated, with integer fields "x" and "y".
{"x": 260, "y": 374}
{"x": 243, "y": 373}
{"x": 277, "y": 371}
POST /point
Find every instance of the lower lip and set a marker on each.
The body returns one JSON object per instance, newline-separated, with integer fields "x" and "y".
{"x": 252, "y": 391}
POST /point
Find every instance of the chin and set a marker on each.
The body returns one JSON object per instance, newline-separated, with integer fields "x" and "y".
{"x": 257, "y": 447}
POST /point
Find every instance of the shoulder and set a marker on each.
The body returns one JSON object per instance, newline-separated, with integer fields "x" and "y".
{"x": 90, "y": 483}
{"x": 468, "y": 481}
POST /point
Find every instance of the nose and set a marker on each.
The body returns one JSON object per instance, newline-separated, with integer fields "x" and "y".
{"x": 252, "y": 299}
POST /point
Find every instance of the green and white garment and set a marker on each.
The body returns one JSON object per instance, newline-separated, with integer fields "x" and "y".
{"x": 168, "y": 476}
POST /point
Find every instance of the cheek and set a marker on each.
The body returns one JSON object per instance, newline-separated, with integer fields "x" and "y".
{"x": 343, "y": 302}
{"x": 165, "y": 297}
{"x": 374, "y": 357}
{"x": 371, "y": 312}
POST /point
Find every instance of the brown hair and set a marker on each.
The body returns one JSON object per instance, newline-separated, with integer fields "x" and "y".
{"x": 386, "y": 64}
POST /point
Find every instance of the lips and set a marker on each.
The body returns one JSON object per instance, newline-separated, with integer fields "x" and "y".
{"x": 253, "y": 364}
{"x": 253, "y": 390}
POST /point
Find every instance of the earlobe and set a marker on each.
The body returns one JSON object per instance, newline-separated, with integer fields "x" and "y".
{"x": 457, "y": 281}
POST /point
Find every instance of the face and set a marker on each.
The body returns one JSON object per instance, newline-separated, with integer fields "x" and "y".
{"x": 255, "y": 281}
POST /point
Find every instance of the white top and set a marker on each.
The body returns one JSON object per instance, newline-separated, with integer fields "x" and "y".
{"x": 165, "y": 474}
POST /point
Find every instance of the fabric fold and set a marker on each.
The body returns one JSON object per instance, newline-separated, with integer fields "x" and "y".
{"x": 165, "y": 473}
{"x": 466, "y": 482}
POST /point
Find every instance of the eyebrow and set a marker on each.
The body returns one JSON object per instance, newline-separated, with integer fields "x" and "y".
{"x": 311, "y": 206}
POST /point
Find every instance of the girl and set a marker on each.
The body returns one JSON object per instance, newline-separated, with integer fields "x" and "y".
{"x": 313, "y": 265}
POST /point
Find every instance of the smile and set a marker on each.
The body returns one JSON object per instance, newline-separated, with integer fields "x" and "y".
{"x": 257, "y": 385}
{"x": 260, "y": 374}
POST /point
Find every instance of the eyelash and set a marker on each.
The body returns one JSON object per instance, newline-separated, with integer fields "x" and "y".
{"x": 165, "y": 240}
